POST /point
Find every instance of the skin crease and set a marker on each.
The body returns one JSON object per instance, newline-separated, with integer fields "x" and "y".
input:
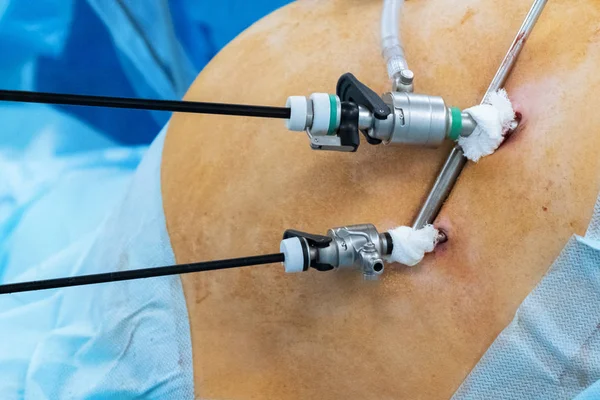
{"x": 232, "y": 185}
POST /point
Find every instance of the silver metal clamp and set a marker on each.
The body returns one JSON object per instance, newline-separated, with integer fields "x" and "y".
{"x": 358, "y": 246}
{"x": 333, "y": 122}
{"x": 421, "y": 120}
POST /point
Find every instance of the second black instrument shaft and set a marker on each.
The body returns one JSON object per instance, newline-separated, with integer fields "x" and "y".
{"x": 145, "y": 104}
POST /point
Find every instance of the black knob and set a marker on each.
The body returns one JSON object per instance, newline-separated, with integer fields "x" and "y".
{"x": 318, "y": 241}
{"x": 351, "y": 89}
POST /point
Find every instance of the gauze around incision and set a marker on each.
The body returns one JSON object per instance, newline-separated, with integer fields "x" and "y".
{"x": 551, "y": 349}
{"x": 410, "y": 245}
{"x": 494, "y": 119}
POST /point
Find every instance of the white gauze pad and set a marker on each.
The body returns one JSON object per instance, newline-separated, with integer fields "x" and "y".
{"x": 410, "y": 245}
{"x": 494, "y": 119}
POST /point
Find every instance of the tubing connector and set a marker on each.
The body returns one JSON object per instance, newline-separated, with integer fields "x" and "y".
{"x": 403, "y": 81}
{"x": 391, "y": 47}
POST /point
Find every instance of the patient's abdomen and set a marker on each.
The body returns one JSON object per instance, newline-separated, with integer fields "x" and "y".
{"x": 232, "y": 185}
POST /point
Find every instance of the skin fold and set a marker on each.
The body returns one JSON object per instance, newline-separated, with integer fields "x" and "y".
{"x": 232, "y": 185}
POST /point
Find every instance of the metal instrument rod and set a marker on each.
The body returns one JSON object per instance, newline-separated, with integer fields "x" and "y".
{"x": 141, "y": 273}
{"x": 456, "y": 160}
{"x": 146, "y": 104}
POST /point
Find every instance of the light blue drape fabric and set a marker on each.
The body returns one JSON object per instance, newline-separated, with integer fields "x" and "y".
{"x": 120, "y": 340}
{"x": 73, "y": 200}
{"x": 551, "y": 349}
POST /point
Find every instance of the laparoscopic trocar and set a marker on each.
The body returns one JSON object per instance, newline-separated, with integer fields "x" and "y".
{"x": 336, "y": 122}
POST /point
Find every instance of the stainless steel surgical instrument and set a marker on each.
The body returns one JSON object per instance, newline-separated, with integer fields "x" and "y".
{"x": 456, "y": 160}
